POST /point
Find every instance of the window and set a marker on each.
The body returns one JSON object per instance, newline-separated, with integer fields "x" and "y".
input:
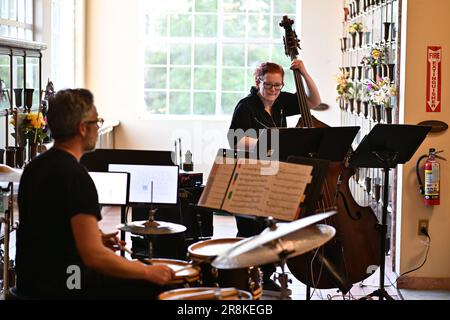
{"x": 16, "y": 19}
{"x": 200, "y": 55}
{"x": 63, "y": 43}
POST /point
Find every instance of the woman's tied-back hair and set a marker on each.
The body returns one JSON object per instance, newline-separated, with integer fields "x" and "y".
{"x": 268, "y": 67}
{"x": 66, "y": 110}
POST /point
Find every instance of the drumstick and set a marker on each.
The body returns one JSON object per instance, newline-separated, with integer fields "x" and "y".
{"x": 188, "y": 267}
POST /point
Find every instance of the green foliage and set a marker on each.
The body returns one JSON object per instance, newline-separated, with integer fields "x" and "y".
{"x": 205, "y": 103}
{"x": 180, "y": 25}
{"x": 233, "y": 79}
{"x": 205, "y": 78}
{"x": 229, "y": 101}
{"x": 205, "y": 5}
{"x": 156, "y": 102}
{"x": 180, "y": 103}
{"x": 205, "y": 54}
{"x": 234, "y": 55}
{"x": 180, "y": 78}
{"x": 205, "y": 25}
{"x": 155, "y": 77}
{"x": 180, "y": 54}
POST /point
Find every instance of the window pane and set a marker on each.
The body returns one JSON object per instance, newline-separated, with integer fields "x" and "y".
{"x": 279, "y": 56}
{"x": 205, "y": 25}
{"x": 234, "y": 5}
{"x": 155, "y": 78}
{"x": 20, "y": 11}
{"x": 251, "y": 77}
{"x": 180, "y": 25}
{"x": 278, "y": 32}
{"x": 156, "y": 55}
{"x": 289, "y": 81}
{"x": 234, "y": 26}
{"x": 180, "y": 78}
{"x": 284, "y": 6}
{"x": 29, "y": 11}
{"x": 259, "y": 26}
{"x": 233, "y": 79}
{"x": 230, "y": 100}
{"x": 257, "y": 54}
{"x": 180, "y": 103}
{"x": 205, "y": 103}
{"x": 180, "y": 54}
{"x": 205, "y": 78}
{"x": 206, "y": 5}
{"x": 155, "y": 102}
{"x": 5, "y": 84}
{"x": 174, "y": 5}
{"x": 156, "y": 25}
{"x": 259, "y": 6}
{"x": 234, "y": 55}
{"x": 205, "y": 54}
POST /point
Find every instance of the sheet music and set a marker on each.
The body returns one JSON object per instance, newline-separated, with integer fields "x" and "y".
{"x": 217, "y": 184}
{"x": 278, "y": 195}
{"x": 247, "y": 189}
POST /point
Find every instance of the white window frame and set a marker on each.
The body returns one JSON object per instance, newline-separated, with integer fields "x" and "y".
{"x": 22, "y": 21}
{"x": 217, "y": 41}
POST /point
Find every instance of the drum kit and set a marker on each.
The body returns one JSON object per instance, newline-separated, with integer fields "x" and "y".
{"x": 219, "y": 269}
{"x": 228, "y": 269}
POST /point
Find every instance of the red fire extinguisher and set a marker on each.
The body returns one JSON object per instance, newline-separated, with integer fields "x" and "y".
{"x": 431, "y": 189}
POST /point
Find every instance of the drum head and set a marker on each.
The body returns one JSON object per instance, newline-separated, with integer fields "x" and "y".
{"x": 205, "y": 294}
{"x": 209, "y": 249}
{"x": 175, "y": 265}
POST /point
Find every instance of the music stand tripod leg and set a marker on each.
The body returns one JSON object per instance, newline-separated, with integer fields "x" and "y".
{"x": 381, "y": 292}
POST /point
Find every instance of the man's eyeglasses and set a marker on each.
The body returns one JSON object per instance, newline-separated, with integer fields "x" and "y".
{"x": 276, "y": 86}
{"x": 99, "y": 122}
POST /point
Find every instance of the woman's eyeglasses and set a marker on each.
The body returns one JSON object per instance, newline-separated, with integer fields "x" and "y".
{"x": 276, "y": 86}
{"x": 99, "y": 122}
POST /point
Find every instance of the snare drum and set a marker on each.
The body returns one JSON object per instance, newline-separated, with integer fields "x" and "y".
{"x": 203, "y": 252}
{"x": 205, "y": 294}
{"x": 189, "y": 277}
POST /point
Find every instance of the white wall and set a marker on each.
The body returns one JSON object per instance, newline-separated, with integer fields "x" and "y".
{"x": 427, "y": 24}
{"x": 113, "y": 70}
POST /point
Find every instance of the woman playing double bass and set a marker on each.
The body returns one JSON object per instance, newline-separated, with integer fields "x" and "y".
{"x": 267, "y": 107}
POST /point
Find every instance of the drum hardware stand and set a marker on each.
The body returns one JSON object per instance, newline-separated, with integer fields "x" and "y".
{"x": 283, "y": 279}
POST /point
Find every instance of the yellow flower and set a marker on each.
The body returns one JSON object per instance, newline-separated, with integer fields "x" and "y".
{"x": 37, "y": 120}
{"x": 376, "y": 54}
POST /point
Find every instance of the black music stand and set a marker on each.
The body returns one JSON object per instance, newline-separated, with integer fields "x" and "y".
{"x": 329, "y": 143}
{"x": 386, "y": 146}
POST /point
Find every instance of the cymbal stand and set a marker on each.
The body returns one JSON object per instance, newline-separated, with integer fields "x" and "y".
{"x": 151, "y": 223}
{"x": 284, "y": 280}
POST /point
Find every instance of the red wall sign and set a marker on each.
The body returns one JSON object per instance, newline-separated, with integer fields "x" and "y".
{"x": 434, "y": 58}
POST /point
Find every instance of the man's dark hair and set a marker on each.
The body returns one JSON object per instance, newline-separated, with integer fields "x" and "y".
{"x": 66, "y": 110}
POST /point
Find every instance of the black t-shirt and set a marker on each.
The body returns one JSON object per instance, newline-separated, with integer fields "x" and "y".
{"x": 54, "y": 187}
{"x": 250, "y": 114}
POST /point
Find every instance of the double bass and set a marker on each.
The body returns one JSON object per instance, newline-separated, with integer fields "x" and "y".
{"x": 353, "y": 254}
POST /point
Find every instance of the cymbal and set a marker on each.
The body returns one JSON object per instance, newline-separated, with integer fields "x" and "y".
{"x": 8, "y": 174}
{"x": 286, "y": 241}
{"x": 146, "y": 227}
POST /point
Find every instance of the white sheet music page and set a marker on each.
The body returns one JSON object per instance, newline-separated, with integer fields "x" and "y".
{"x": 286, "y": 191}
{"x": 217, "y": 184}
{"x": 247, "y": 189}
{"x": 268, "y": 189}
